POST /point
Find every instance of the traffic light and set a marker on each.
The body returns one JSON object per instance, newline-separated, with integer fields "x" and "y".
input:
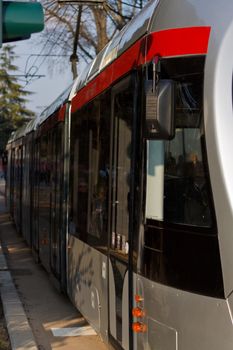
{"x": 18, "y": 20}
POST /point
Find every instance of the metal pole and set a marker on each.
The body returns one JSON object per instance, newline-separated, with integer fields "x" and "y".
{"x": 74, "y": 57}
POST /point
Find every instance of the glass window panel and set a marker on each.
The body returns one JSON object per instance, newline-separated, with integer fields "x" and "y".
{"x": 90, "y": 148}
{"x": 155, "y": 179}
{"x": 178, "y": 173}
{"x": 123, "y": 112}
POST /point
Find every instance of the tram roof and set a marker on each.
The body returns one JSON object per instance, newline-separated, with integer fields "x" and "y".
{"x": 34, "y": 123}
{"x": 134, "y": 30}
{"x": 31, "y": 126}
{"x": 19, "y": 133}
{"x": 60, "y": 101}
{"x": 23, "y": 130}
{"x": 11, "y": 138}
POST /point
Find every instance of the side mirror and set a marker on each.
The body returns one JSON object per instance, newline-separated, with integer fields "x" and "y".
{"x": 159, "y": 110}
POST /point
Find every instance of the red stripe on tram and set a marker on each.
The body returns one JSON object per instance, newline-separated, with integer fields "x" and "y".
{"x": 165, "y": 43}
{"x": 61, "y": 113}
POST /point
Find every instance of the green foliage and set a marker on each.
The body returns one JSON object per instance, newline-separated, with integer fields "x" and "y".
{"x": 13, "y": 111}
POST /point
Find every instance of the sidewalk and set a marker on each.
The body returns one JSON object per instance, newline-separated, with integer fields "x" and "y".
{"x": 46, "y": 310}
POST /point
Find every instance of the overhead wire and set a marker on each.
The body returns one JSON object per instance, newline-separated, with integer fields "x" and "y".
{"x": 33, "y": 66}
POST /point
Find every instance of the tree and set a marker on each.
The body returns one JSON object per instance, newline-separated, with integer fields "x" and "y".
{"x": 13, "y": 112}
{"x": 97, "y": 26}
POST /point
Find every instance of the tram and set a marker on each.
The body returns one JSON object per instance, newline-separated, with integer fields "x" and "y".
{"x": 123, "y": 186}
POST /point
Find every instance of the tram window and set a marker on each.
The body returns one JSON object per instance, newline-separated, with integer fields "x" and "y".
{"x": 180, "y": 227}
{"x": 81, "y": 179}
{"x": 99, "y": 126}
{"x": 177, "y": 170}
{"x": 44, "y": 189}
{"x": 89, "y": 172}
{"x": 123, "y": 112}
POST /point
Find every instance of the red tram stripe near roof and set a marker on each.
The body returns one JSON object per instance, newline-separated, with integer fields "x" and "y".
{"x": 178, "y": 42}
{"x": 61, "y": 113}
{"x": 165, "y": 43}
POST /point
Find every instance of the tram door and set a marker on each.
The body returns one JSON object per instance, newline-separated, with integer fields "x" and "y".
{"x": 122, "y": 113}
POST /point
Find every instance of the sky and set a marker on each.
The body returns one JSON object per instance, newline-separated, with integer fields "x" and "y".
{"x": 53, "y": 82}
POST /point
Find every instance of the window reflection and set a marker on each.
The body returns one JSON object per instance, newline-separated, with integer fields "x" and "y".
{"x": 90, "y": 148}
{"x": 180, "y": 231}
{"x": 182, "y": 170}
{"x": 185, "y": 190}
{"x": 123, "y": 112}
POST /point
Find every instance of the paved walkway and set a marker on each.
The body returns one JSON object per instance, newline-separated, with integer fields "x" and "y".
{"x": 33, "y": 308}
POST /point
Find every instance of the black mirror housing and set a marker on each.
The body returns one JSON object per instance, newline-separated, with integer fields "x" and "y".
{"x": 159, "y": 110}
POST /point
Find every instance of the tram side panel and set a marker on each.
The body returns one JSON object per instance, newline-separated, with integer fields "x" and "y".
{"x": 100, "y": 175}
{"x": 87, "y": 247}
{"x": 177, "y": 319}
{"x": 48, "y": 196}
{"x": 87, "y": 283}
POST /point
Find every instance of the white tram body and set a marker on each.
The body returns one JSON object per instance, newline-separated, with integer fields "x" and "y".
{"x": 128, "y": 217}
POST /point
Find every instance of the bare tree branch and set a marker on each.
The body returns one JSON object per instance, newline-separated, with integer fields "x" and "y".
{"x": 97, "y": 26}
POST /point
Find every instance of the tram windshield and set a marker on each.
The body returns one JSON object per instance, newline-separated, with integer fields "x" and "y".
{"x": 177, "y": 169}
{"x": 180, "y": 226}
